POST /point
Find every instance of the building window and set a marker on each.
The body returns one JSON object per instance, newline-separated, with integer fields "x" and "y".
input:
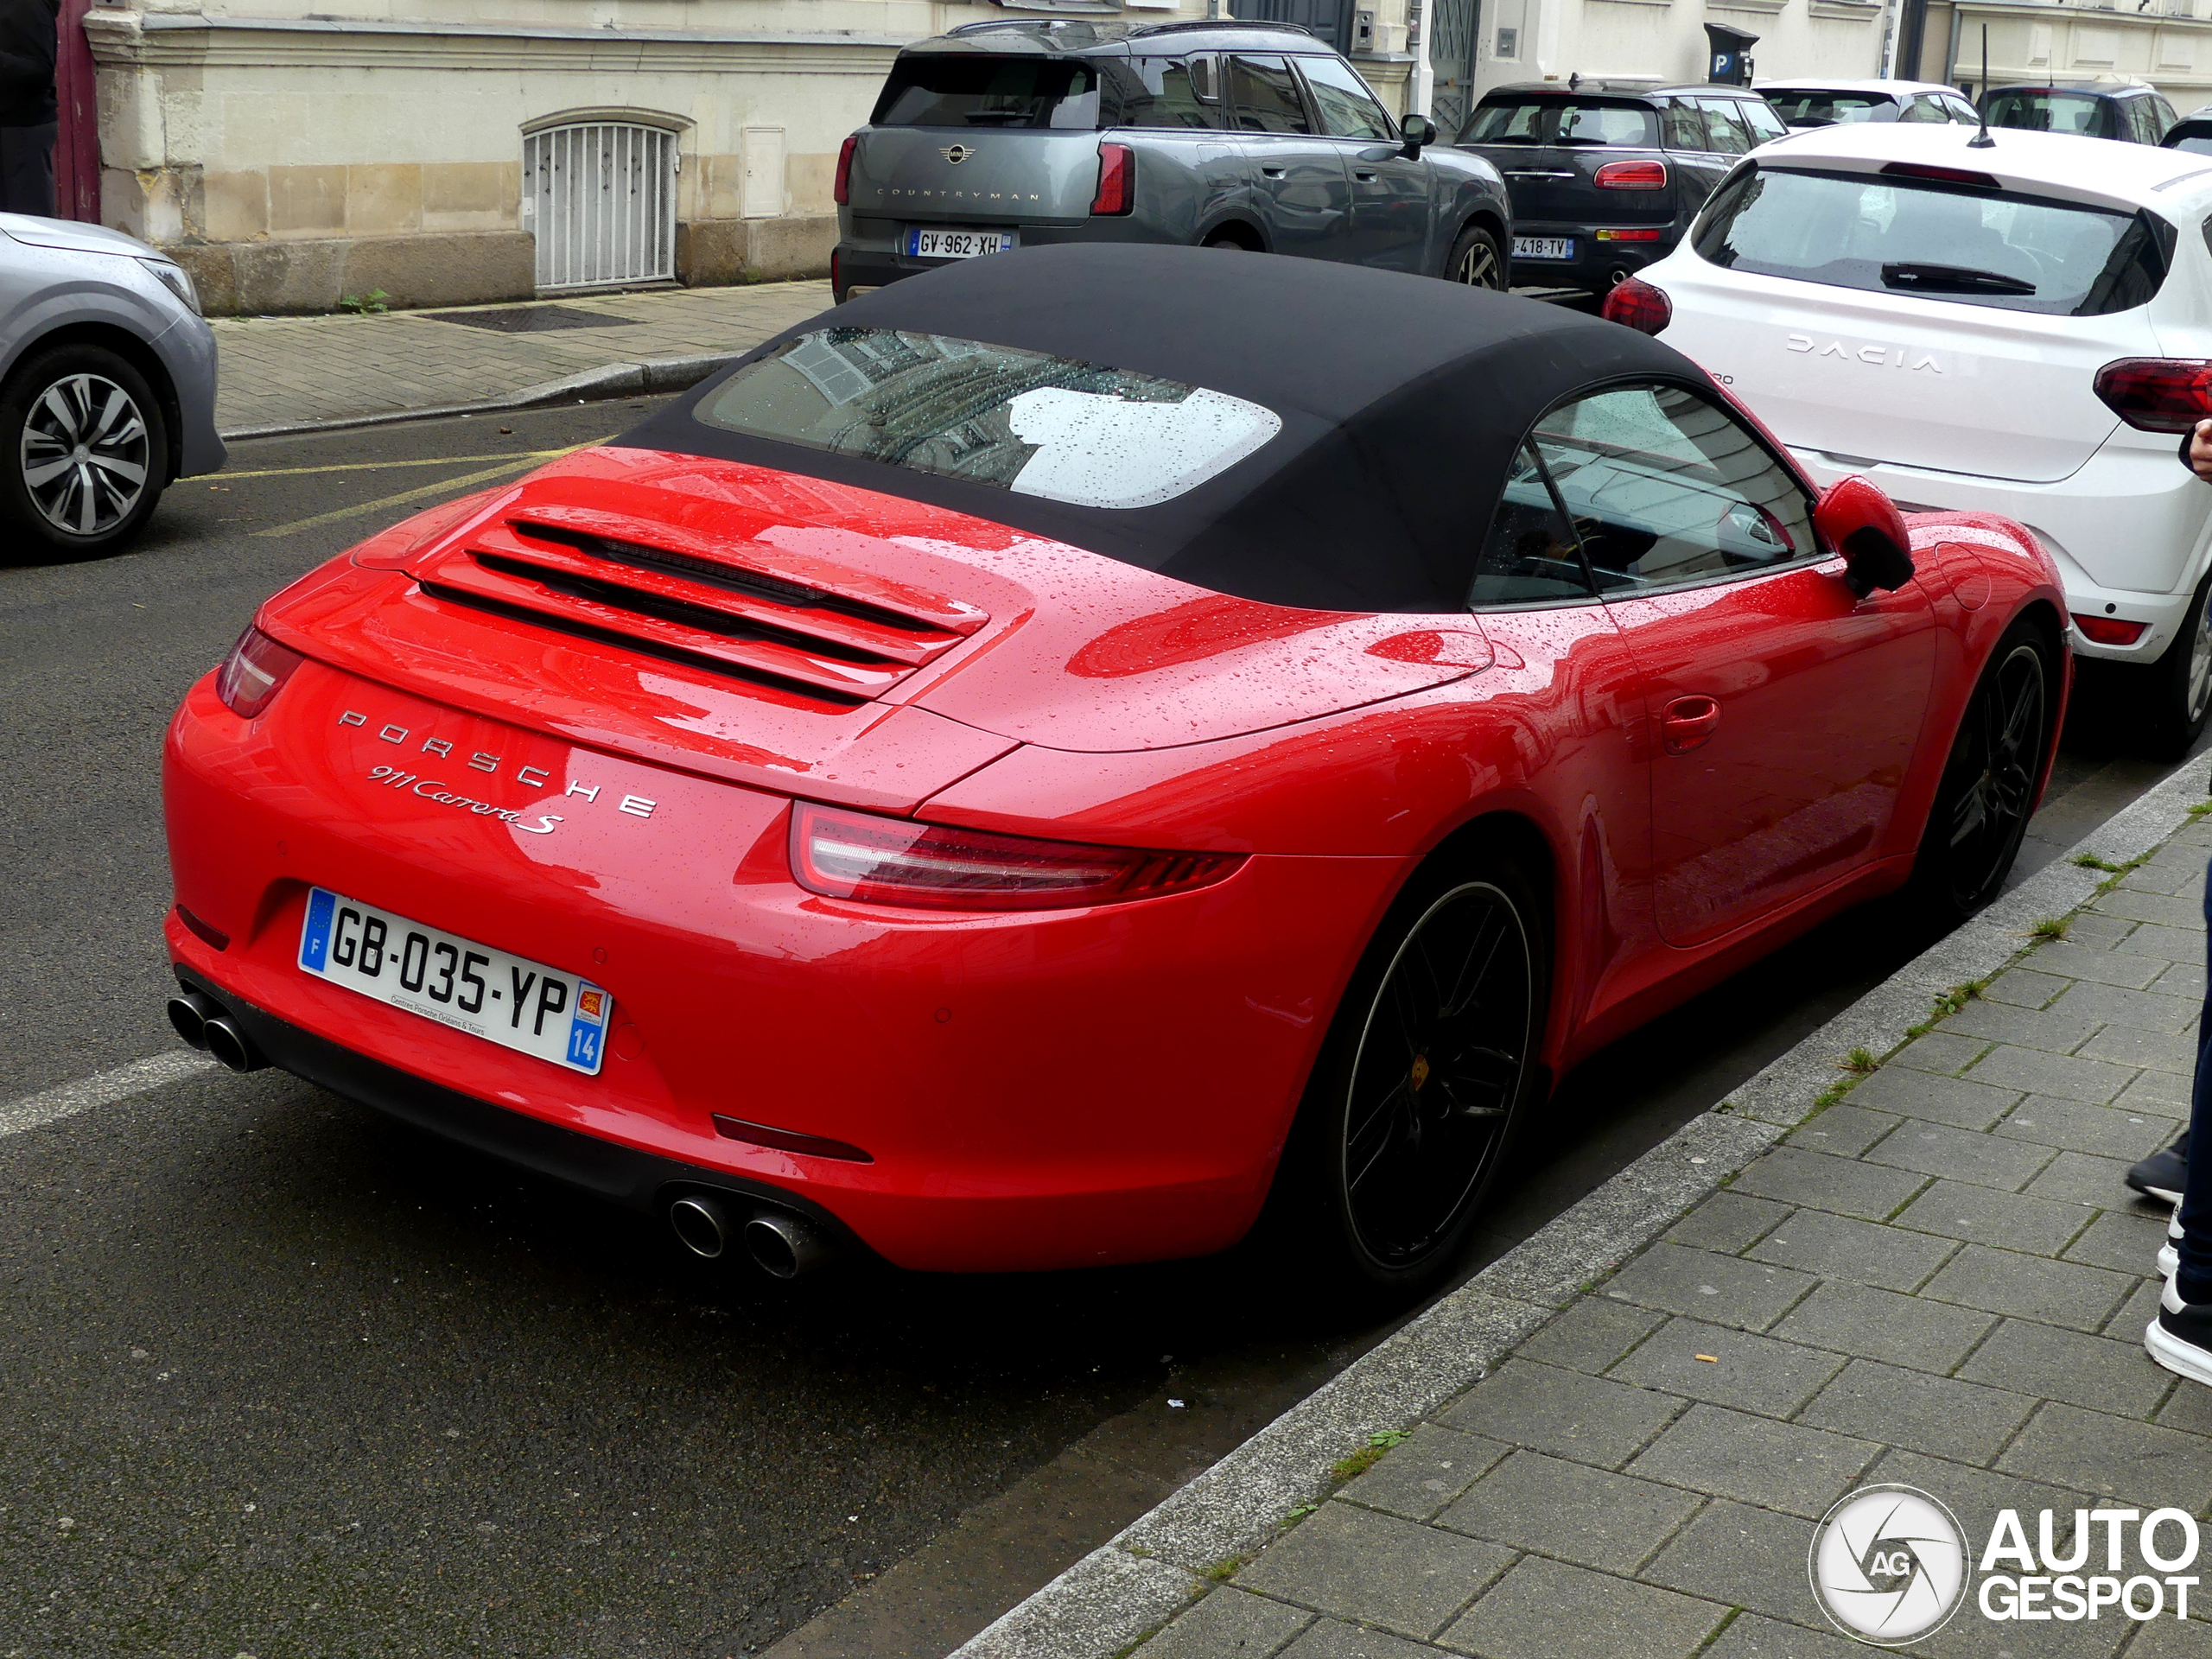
{"x": 600, "y": 197}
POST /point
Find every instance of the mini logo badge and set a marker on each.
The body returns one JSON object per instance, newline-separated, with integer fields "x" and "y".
{"x": 956, "y": 153}
{"x": 1889, "y": 1564}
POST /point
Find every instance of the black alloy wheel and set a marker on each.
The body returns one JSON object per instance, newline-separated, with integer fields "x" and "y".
{"x": 84, "y": 450}
{"x": 1477, "y": 261}
{"x": 1988, "y": 788}
{"x": 1421, "y": 1081}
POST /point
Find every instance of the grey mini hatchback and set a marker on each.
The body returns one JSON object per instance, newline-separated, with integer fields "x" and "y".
{"x": 1243, "y": 136}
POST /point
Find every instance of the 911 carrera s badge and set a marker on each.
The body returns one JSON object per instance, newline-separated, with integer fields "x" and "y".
{"x": 437, "y": 790}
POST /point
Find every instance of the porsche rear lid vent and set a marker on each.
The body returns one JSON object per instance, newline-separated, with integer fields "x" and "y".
{"x": 838, "y": 643}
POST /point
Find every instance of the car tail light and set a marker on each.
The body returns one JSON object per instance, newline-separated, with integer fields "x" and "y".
{"x": 2108, "y": 630}
{"x": 1632, "y": 175}
{"x": 2157, "y": 394}
{"x": 841, "y": 192}
{"x": 254, "y": 673}
{"x": 1118, "y": 180}
{"x": 1650, "y": 234}
{"x": 940, "y": 866}
{"x": 1964, "y": 175}
{"x": 1636, "y": 304}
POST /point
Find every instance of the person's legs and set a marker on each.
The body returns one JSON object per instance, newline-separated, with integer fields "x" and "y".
{"x": 2180, "y": 1339}
{"x": 26, "y": 169}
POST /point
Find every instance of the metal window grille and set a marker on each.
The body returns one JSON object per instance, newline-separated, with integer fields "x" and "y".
{"x": 603, "y": 203}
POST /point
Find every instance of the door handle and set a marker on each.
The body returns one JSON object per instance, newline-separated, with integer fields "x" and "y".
{"x": 1271, "y": 172}
{"x": 1687, "y": 722}
{"x": 1365, "y": 178}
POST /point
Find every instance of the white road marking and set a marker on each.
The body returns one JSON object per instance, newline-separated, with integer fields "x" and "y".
{"x": 101, "y": 1089}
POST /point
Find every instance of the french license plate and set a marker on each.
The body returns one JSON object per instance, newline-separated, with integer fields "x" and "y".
{"x": 958, "y": 244}
{"x": 504, "y": 999}
{"x": 1543, "y": 247}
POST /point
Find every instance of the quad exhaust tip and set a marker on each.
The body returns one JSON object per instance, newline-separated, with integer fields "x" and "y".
{"x": 189, "y": 1013}
{"x": 782, "y": 1245}
{"x": 202, "y": 1023}
{"x": 701, "y": 1225}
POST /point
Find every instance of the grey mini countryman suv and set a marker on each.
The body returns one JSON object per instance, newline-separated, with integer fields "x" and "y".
{"x": 1219, "y": 134}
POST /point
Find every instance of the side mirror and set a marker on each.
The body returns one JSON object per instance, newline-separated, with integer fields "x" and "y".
{"x": 1864, "y": 526}
{"x": 1417, "y": 130}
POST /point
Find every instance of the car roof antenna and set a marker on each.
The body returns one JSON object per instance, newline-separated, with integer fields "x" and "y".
{"x": 1982, "y": 140}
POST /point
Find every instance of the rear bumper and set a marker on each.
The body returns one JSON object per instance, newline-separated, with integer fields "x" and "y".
{"x": 2136, "y": 516}
{"x": 869, "y": 249}
{"x": 1036, "y": 1091}
{"x": 621, "y": 1175}
{"x": 1594, "y": 262}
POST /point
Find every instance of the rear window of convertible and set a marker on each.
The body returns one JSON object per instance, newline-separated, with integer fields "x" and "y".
{"x": 1967, "y": 245}
{"x": 1052, "y": 427}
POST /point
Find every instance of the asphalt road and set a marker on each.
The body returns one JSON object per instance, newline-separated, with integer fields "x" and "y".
{"x": 280, "y": 1377}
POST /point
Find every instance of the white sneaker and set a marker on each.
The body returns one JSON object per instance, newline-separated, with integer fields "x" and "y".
{"x": 2169, "y": 1257}
{"x": 2180, "y": 1339}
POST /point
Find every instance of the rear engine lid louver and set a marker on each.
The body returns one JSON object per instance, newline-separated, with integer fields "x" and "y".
{"x": 835, "y": 639}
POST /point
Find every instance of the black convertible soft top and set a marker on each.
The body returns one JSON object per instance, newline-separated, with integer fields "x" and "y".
{"x": 1402, "y": 400}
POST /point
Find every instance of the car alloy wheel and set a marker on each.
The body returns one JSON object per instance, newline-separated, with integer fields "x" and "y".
{"x": 1990, "y": 783}
{"x": 1478, "y": 264}
{"x": 84, "y": 453}
{"x": 1442, "y": 1057}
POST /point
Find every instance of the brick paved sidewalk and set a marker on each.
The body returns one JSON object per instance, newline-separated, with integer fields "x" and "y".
{"x": 293, "y": 371}
{"x": 1938, "y": 1281}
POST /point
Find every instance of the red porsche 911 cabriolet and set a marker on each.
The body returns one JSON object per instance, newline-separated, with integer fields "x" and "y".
{"x": 1016, "y": 773}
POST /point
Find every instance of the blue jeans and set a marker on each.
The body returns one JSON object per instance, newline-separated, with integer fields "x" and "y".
{"x": 2194, "y": 1278}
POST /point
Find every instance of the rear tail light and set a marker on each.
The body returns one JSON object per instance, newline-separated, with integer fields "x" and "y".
{"x": 939, "y": 867}
{"x": 1632, "y": 175}
{"x": 1963, "y": 175}
{"x": 254, "y": 673}
{"x": 2109, "y": 630}
{"x": 1636, "y": 304}
{"x": 1118, "y": 180}
{"x": 2157, "y": 394}
{"x": 1651, "y": 234}
{"x": 841, "y": 192}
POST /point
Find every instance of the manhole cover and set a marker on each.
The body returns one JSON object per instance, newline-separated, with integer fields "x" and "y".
{"x": 529, "y": 318}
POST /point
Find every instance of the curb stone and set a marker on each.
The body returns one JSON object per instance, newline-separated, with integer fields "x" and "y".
{"x": 1123, "y": 1590}
{"x": 608, "y": 381}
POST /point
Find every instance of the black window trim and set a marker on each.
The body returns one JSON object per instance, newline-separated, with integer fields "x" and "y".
{"x": 1230, "y": 106}
{"x": 1822, "y": 553}
{"x": 1590, "y": 595}
{"x": 1299, "y": 60}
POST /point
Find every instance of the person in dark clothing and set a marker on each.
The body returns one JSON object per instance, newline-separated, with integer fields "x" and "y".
{"x": 2180, "y": 1339}
{"x": 28, "y": 113}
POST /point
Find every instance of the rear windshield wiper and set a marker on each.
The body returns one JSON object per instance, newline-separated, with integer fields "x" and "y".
{"x": 1952, "y": 279}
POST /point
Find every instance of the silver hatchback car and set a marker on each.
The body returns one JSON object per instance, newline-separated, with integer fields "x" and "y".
{"x": 1219, "y": 134}
{"x": 107, "y": 386}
